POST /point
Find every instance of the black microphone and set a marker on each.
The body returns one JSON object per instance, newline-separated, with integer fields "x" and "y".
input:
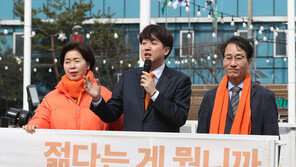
{"x": 147, "y": 67}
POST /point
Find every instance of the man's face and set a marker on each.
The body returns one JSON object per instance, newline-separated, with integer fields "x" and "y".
{"x": 154, "y": 50}
{"x": 235, "y": 63}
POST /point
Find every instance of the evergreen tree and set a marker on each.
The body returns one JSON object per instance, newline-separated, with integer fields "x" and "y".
{"x": 61, "y": 17}
{"x": 10, "y": 77}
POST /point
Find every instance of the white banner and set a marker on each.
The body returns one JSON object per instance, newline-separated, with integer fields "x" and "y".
{"x": 56, "y": 148}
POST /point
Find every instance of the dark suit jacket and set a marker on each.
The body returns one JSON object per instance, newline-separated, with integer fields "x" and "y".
{"x": 264, "y": 113}
{"x": 166, "y": 114}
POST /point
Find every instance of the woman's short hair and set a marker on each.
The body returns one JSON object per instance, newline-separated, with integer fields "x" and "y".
{"x": 82, "y": 48}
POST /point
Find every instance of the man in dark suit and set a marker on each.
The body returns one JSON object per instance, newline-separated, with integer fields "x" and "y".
{"x": 237, "y": 105}
{"x": 169, "y": 91}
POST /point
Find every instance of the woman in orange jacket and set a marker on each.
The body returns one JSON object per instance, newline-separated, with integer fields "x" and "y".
{"x": 67, "y": 107}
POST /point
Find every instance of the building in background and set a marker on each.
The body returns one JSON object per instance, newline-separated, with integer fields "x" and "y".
{"x": 196, "y": 35}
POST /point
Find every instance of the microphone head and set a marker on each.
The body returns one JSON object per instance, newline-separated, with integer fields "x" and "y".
{"x": 147, "y": 65}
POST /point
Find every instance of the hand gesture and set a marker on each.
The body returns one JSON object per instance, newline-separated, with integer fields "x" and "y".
{"x": 30, "y": 128}
{"x": 148, "y": 83}
{"x": 93, "y": 89}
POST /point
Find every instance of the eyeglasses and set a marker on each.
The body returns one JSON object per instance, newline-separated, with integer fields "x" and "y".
{"x": 237, "y": 58}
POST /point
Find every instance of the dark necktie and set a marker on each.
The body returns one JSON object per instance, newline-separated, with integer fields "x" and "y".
{"x": 235, "y": 98}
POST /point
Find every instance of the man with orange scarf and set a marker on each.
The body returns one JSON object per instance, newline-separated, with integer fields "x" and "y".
{"x": 238, "y": 105}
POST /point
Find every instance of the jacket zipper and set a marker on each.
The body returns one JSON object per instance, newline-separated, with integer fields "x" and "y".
{"x": 78, "y": 121}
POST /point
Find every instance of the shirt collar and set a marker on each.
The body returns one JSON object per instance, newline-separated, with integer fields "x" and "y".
{"x": 231, "y": 85}
{"x": 157, "y": 72}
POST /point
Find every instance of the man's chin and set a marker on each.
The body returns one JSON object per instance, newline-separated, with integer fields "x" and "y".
{"x": 232, "y": 76}
{"x": 146, "y": 58}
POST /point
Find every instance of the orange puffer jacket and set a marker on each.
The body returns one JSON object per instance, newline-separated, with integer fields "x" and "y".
{"x": 59, "y": 111}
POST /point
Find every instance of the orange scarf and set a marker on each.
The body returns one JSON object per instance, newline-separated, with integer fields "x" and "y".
{"x": 75, "y": 88}
{"x": 242, "y": 119}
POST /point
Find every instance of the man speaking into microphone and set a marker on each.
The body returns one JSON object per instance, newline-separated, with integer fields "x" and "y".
{"x": 154, "y": 98}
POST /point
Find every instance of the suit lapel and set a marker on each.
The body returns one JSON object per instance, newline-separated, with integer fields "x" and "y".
{"x": 164, "y": 80}
{"x": 253, "y": 90}
{"x": 139, "y": 89}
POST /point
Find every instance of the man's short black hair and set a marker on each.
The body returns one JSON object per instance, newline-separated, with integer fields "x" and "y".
{"x": 82, "y": 48}
{"x": 241, "y": 42}
{"x": 160, "y": 33}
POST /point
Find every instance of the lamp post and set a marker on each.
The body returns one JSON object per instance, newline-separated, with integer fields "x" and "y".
{"x": 27, "y": 50}
{"x": 144, "y": 21}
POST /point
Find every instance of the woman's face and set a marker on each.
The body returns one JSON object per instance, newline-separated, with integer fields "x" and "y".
{"x": 75, "y": 66}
